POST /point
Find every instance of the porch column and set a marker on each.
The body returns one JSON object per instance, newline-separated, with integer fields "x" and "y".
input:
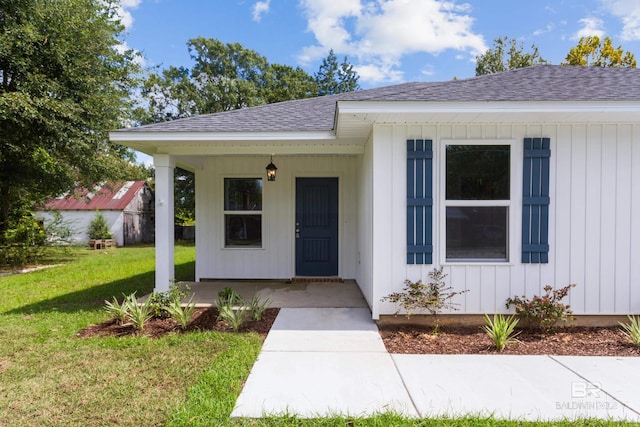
{"x": 165, "y": 264}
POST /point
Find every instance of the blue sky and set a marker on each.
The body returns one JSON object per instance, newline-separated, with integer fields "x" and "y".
{"x": 388, "y": 41}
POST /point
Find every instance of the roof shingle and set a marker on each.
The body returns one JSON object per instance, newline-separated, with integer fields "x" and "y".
{"x": 538, "y": 84}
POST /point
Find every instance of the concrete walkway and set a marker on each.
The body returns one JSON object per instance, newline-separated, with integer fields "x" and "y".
{"x": 318, "y": 362}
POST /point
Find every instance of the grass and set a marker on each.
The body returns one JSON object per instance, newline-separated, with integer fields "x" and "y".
{"x": 48, "y": 377}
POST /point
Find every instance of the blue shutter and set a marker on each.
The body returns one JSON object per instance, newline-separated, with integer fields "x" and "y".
{"x": 419, "y": 201}
{"x": 535, "y": 201}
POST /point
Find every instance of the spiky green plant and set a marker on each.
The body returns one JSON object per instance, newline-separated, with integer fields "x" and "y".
{"x": 181, "y": 314}
{"x": 258, "y": 306}
{"x": 501, "y": 330}
{"x": 119, "y": 311}
{"x": 139, "y": 314}
{"x": 632, "y": 330}
{"x": 234, "y": 316}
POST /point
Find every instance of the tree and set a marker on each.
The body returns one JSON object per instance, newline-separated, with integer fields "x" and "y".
{"x": 65, "y": 82}
{"x": 334, "y": 78}
{"x": 224, "y": 77}
{"x": 286, "y": 83}
{"x": 98, "y": 228}
{"x": 185, "y": 196}
{"x": 506, "y": 55}
{"x": 592, "y": 51}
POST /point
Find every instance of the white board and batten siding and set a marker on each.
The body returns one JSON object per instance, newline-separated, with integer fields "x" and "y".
{"x": 594, "y": 218}
{"x": 276, "y": 258}
{"x": 364, "y": 256}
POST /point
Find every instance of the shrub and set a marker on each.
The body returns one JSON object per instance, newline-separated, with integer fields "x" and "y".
{"x": 23, "y": 242}
{"x": 632, "y": 330}
{"x": 434, "y": 296}
{"x": 501, "y": 330}
{"x": 28, "y": 241}
{"x": 543, "y": 312}
{"x": 98, "y": 228}
{"x": 160, "y": 301}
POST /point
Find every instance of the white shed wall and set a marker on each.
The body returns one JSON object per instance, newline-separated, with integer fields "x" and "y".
{"x": 594, "y": 224}
{"x": 276, "y": 259}
{"x": 80, "y": 220}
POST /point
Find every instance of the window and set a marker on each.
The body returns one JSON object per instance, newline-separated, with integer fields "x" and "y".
{"x": 477, "y": 201}
{"x": 242, "y": 212}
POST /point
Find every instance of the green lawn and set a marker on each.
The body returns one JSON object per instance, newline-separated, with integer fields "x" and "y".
{"x": 50, "y": 377}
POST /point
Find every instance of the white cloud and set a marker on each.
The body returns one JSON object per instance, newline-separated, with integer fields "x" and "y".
{"x": 550, "y": 27}
{"x": 126, "y": 18}
{"x": 259, "y": 9}
{"x": 380, "y": 33}
{"x": 326, "y": 20}
{"x": 629, "y": 12}
{"x": 124, "y": 12}
{"x": 379, "y": 73}
{"x": 590, "y": 27}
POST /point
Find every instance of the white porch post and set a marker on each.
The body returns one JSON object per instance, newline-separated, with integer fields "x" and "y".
{"x": 165, "y": 264}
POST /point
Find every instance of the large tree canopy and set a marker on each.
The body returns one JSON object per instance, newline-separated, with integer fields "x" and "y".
{"x": 65, "y": 82}
{"x": 505, "y": 55}
{"x": 224, "y": 77}
{"x": 601, "y": 53}
{"x": 228, "y": 76}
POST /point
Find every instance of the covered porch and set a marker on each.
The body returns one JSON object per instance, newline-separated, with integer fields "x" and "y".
{"x": 250, "y": 228}
{"x": 276, "y": 217}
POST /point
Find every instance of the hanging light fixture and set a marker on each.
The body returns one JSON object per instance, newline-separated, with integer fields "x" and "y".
{"x": 271, "y": 170}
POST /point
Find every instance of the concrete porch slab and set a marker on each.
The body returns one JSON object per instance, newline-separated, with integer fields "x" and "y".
{"x": 282, "y": 293}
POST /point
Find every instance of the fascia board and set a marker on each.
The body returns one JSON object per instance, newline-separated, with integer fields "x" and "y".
{"x": 123, "y": 136}
{"x": 399, "y": 107}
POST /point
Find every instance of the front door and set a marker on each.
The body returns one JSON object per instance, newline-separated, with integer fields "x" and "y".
{"x": 316, "y": 226}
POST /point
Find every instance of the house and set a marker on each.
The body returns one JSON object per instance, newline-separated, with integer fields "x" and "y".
{"x": 127, "y": 207}
{"x": 511, "y": 181}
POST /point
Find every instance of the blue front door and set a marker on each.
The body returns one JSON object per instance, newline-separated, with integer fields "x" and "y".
{"x": 316, "y": 226}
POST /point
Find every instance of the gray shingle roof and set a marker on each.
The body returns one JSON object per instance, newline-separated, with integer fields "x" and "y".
{"x": 538, "y": 83}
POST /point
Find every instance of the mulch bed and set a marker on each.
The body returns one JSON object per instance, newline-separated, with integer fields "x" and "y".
{"x": 570, "y": 341}
{"x": 204, "y": 319}
{"x": 410, "y": 339}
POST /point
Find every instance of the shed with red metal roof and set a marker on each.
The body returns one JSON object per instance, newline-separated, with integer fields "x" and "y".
{"x": 127, "y": 207}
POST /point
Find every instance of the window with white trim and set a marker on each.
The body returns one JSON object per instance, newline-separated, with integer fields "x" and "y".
{"x": 477, "y": 199}
{"x": 243, "y": 212}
